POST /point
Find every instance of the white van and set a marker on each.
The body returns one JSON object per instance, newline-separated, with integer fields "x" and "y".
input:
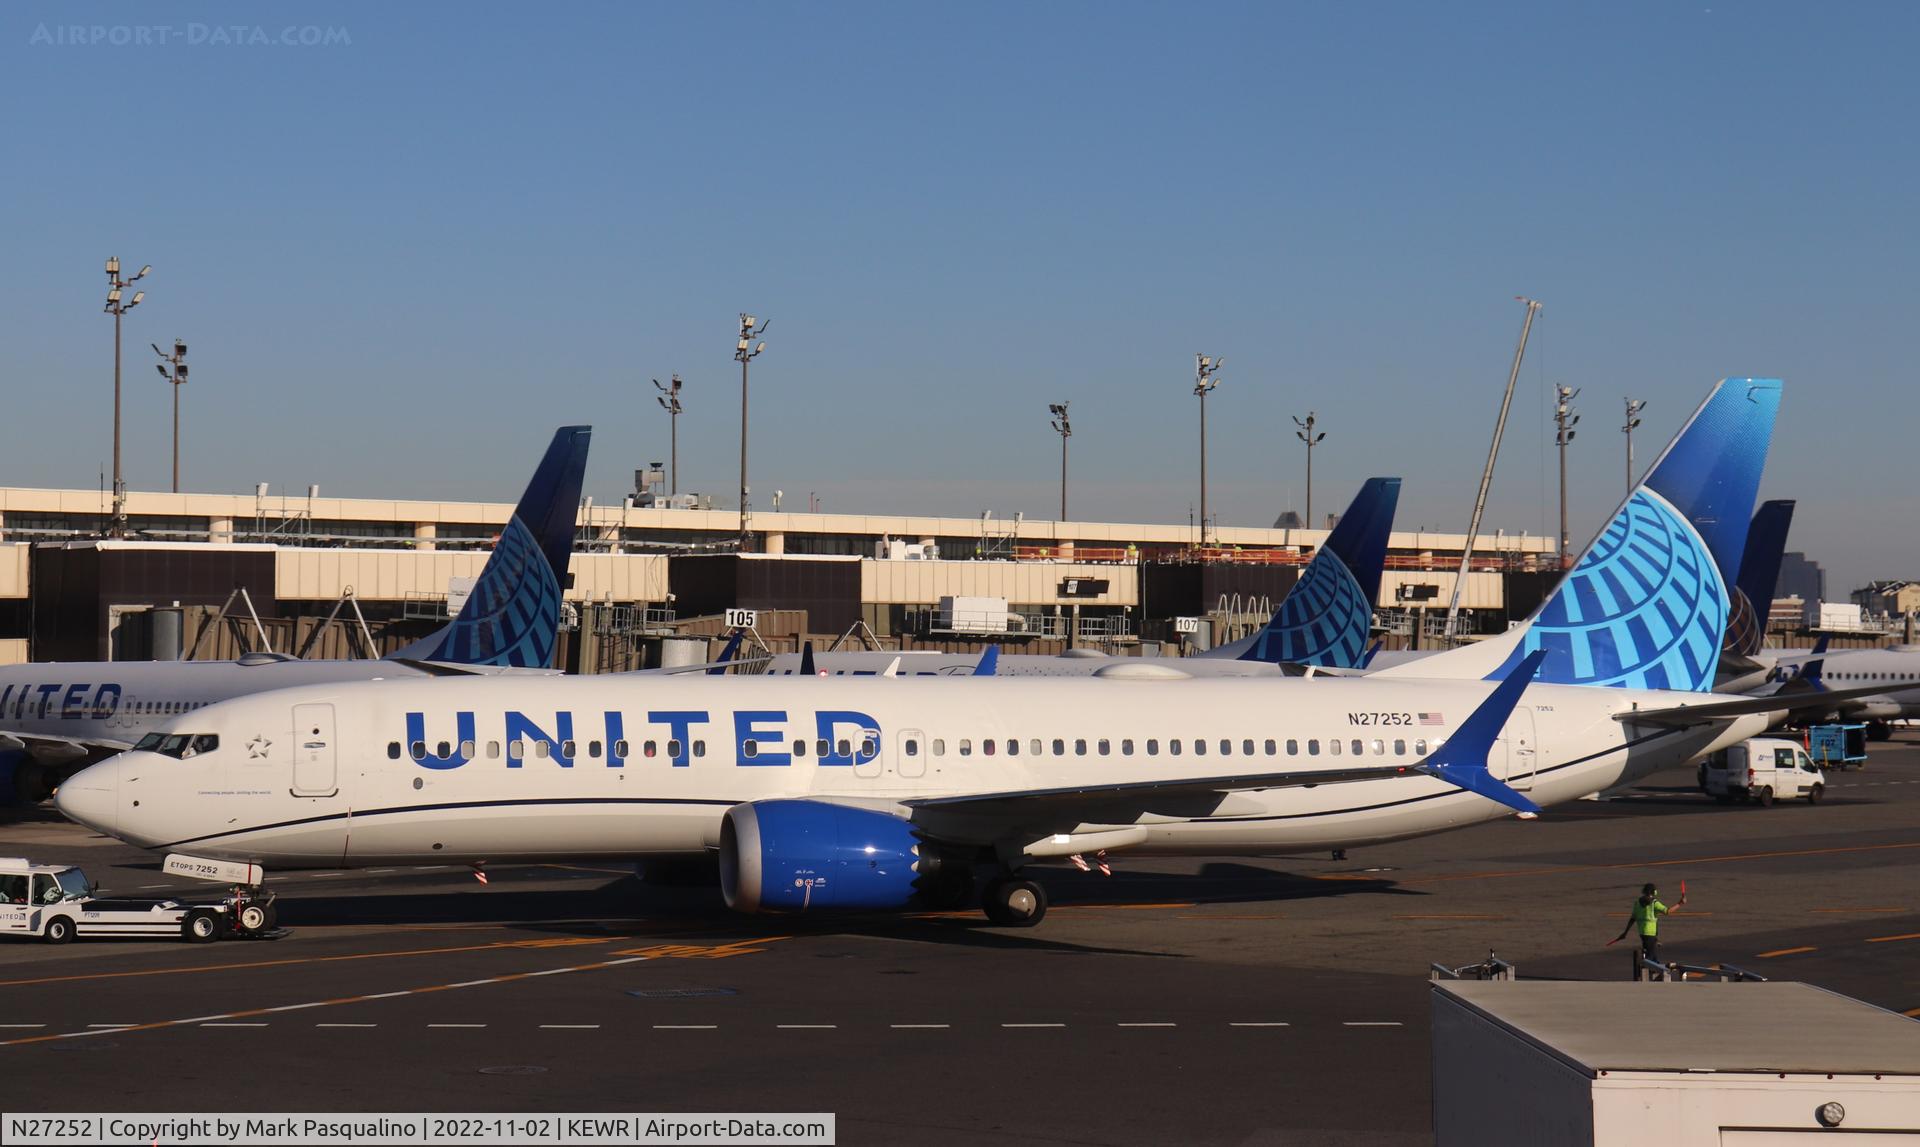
{"x": 1763, "y": 769}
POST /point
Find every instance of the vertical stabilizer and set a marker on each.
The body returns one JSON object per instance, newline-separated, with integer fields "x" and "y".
{"x": 1327, "y": 616}
{"x": 1759, "y": 574}
{"x": 1647, "y": 605}
{"x": 512, "y": 616}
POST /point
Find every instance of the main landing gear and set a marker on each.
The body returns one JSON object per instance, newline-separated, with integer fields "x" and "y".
{"x": 1014, "y": 903}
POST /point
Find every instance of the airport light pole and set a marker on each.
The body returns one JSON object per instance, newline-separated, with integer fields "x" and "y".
{"x": 1064, "y": 428}
{"x": 744, "y": 352}
{"x": 1564, "y": 420}
{"x": 178, "y": 377}
{"x": 1486, "y": 476}
{"x": 669, "y": 400}
{"x": 1634, "y": 407}
{"x": 117, "y": 306}
{"x": 1205, "y": 368}
{"x": 1307, "y": 435}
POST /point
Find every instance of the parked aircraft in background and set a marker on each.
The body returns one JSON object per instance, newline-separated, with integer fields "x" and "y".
{"x": 1324, "y": 621}
{"x": 56, "y": 717}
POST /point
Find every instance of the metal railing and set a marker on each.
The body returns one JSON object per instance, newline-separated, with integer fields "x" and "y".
{"x": 419, "y": 605}
{"x": 1491, "y": 968}
{"x": 1645, "y": 970}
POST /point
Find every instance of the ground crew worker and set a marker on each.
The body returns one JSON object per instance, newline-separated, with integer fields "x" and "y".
{"x": 1645, "y": 915}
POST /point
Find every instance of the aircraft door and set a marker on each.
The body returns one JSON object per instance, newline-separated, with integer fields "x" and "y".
{"x": 910, "y": 755}
{"x": 867, "y": 757}
{"x": 1518, "y": 743}
{"x": 315, "y": 769}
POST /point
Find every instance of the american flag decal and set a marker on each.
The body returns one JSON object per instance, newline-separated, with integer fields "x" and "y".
{"x": 1432, "y": 719}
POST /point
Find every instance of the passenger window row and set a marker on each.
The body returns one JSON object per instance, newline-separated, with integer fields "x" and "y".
{"x": 164, "y": 708}
{"x": 1199, "y": 747}
{"x": 964, "y": 746}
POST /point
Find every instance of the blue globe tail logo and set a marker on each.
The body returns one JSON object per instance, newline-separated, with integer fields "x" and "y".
{"x": 1646, "y": 608}
{"x": 1324, "y": 620}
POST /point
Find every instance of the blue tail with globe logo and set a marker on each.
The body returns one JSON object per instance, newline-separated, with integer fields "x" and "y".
{"x": 1648, "y": 603}
{"x": 512, "y": 615}
{"x": 1327, "y": 616}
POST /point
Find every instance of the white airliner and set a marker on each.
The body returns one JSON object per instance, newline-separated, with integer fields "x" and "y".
{"x": 57, "y": 716}
{"x": 875, "y": 794}
{"x": 1889, "y": 679}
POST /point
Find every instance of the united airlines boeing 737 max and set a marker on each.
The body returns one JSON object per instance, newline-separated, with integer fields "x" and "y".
{"x": 878, "y": 794}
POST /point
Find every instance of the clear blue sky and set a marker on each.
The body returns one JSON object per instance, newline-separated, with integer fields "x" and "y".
{"x": 401, "y": 258}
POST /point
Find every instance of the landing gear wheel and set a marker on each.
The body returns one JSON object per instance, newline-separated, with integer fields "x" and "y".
{"x": 1879, "y": 731}
{"x": 1766, "y": 796}
{"x": 1015, "y": 903}
{"x": 254, "y": 918}
{"x": 59, "y": 930}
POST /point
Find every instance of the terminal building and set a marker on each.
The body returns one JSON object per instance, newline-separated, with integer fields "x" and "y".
{"x": 216, "y": 575}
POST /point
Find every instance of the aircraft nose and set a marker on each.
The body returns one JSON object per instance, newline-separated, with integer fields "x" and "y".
{"x": 92, "y": 797}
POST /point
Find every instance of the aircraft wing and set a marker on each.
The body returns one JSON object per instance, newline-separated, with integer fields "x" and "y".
{"x": 57, "y": 750}
{"x": 460, "y": 669}
{"x": 1068, "y": 797}
{"x": 1688, "y": 716}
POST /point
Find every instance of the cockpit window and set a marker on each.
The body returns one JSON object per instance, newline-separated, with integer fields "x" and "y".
{"x": 179, "y": 745}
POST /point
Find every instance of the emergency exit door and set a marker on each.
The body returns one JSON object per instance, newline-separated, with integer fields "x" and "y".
{"x": 315, "y": 773}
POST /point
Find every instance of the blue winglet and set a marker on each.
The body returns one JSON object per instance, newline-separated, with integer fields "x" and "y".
{"x": 1462, "y": 760}
{"x": 807, "y": 667}
{"x": 989, "y": 663}
{"x": 1811, "y": 670}
{"x": 727, "y": 654}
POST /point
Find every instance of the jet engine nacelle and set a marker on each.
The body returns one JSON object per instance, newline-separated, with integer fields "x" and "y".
{"x": 793, "y": 855}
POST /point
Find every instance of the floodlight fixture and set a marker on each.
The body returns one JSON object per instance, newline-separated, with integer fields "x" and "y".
{"x": 1205, "y": 369}
{"x": 669, "y": 400}
{"x": 1634, "y": 407}
{"x": 751, "y": 329}
{"x": 118, "y": 305}
{"x": 177, "y": 375}
{"x": 1306, "y": 433}
{"x": 1564, "y": 420}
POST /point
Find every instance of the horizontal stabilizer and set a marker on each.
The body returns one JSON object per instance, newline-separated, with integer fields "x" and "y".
{"x": 1462, "y": 759}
